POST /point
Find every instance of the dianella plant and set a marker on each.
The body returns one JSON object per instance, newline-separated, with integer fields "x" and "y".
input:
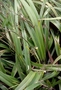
{"x": 30, "y": 44}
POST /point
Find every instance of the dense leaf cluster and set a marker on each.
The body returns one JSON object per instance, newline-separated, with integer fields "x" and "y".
{"x": 30, "y": 44}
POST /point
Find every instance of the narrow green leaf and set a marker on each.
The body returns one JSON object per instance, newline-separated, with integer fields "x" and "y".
{"x": 26, "y": 51}
{"x": 7, "y": 79}
{"x": 26, "y": 81}
{"x": 57, "y": 59}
